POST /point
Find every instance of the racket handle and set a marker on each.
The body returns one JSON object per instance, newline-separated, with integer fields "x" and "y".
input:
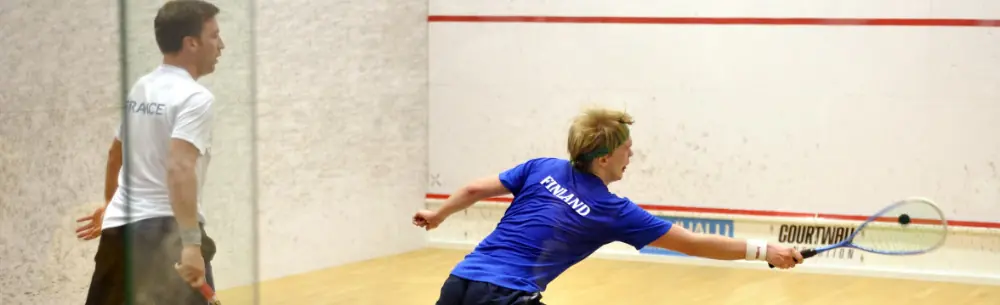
{"x": 209, "y": 294}
{"x": 807, "y": 253}
{"x": 205, "y": 290}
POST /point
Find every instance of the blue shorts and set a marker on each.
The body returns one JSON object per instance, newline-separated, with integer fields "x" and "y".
{"x": 460, "y": 291}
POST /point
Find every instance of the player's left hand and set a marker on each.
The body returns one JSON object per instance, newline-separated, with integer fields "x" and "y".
{"x": 427, "y": 219}
{"x": 92, "y": 228}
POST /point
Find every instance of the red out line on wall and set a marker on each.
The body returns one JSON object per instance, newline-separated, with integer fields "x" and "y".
{"x": 764, "y": 213}
{"x": 722, "y": 20}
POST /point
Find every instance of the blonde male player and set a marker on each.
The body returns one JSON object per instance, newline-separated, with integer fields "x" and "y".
{"x": 562, "y": 212}
{"x": 154, "y": 220}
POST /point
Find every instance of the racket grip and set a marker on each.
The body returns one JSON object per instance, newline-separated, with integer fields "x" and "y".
{"x": 209, "y": 294}
{"x": 206, "y": 291}
{"x": 807, "y": 253}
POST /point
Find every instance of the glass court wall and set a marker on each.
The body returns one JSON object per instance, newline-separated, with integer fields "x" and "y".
{"x": 65, "y": 68}
{"x": 229, "y": 195}
{"x": 335, "y": 122}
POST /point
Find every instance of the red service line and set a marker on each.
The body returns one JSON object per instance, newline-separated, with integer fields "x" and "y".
{"x": 670, "y": 208}
{"x": 721, "y": 20}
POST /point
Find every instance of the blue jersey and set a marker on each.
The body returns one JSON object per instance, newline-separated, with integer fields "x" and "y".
{"x": 558, "y": 217}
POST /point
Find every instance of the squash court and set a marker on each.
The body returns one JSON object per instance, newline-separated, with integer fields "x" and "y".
{"x": 414, "y": 278}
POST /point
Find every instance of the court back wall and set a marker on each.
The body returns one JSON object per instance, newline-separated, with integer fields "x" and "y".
{"x": 734, "y": 110}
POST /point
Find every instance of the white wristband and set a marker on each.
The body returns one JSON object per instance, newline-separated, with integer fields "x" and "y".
{"x": 756, "y": 250}
{"x": 191, "y": 236}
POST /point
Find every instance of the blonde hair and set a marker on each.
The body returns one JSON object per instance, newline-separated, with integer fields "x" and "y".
{"x": 595, "y": 133}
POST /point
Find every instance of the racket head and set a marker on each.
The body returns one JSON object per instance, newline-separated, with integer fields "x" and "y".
{"x": 911, "y": 226}
{"x": 883, "y": 232}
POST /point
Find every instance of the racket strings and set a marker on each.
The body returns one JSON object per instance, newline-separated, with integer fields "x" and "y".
{"x": 895, "y": 238}
{"x": 908, "y": 227}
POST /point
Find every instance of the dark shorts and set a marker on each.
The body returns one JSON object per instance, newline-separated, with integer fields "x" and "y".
{"x": 134, "y": 265}
{"x": 460, "y": 291}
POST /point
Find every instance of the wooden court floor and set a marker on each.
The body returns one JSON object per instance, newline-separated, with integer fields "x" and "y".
{"x": 415, "y": 278}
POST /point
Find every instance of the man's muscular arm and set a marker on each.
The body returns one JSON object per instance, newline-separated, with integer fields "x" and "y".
{"x": 113, "y": 169}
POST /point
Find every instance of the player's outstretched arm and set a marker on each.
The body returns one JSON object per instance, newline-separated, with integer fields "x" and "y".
{"x": 471, "y": 193}
{"x": 461, "y": 199}
{"x": 726, "y": 248}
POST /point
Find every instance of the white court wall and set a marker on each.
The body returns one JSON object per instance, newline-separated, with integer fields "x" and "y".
{"x": 979, "y": 9}
{"x": 769, "y": 118}
{"x": 800, "y": 118}
{"x": 342, "y": 138}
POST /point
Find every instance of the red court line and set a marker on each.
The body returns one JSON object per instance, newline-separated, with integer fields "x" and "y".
{"x": 721, "y": 20}
{"x": 765, "y": 213}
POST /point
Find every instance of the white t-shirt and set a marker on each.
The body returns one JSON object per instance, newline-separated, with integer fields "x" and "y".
{"x": 165, "y": 104}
